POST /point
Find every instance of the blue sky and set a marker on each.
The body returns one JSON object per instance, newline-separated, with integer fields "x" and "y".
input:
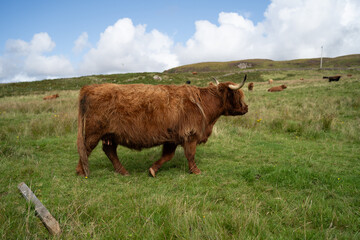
{"x": 50, "y": 39}
{"x": 65, "y": 20}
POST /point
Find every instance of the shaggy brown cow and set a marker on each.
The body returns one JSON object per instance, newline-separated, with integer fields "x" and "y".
{"x": 277, "y": 88}
{"x": 51, "y": 97}
{"x": 270, "y": 81}
{"x": 250, "y": 86}
{"x": 142, "y": 116}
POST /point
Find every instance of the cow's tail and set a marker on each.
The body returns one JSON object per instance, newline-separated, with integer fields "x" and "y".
{"x": 81, "y": 137}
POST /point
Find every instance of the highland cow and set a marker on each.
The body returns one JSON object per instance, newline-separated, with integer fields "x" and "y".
{"x": 51, "y": 97}
{"x": 277, "y": 88}
{"x": 141, "y": 116}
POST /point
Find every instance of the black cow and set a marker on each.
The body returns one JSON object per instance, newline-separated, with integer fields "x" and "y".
{"x": 333, "y": 78}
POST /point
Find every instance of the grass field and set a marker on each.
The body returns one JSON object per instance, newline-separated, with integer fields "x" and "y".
{"x": 289, "y": 169}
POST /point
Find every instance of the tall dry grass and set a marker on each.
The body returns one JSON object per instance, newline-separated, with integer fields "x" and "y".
{"x": 31, "y": 116}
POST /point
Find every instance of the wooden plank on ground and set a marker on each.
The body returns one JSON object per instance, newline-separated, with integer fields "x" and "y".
{"x": 49, "y": 221}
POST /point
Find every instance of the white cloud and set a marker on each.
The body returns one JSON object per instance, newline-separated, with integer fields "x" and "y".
{"x": 40, "y": 43}
{"x": 235, "y": 37}
{"x": 81, "y": 43}
{"x": 25, "y": 61}
{"x": 124, "y": 47}
{"x": 298, "y": 29}
{"x": 21, "y": 77}
{"x": 39, "y": 65}
{"x": 291, "y": 29}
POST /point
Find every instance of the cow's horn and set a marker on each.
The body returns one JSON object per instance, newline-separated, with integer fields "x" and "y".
{"x": 238, "y": 86}
{"x": 216, "y": 81}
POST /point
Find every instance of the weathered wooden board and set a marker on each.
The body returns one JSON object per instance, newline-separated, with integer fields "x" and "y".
{"x": 49, "y": 221}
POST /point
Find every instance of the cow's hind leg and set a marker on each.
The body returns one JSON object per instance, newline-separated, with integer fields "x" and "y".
{"x": 167, "y": 154}
{"x": 85, "y": 149}
{"x": 109, "y": 147}
{"x": 190, "y": 150}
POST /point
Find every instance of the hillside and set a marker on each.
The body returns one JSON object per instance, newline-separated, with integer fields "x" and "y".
{"x": 349, "y": 61}
{"x": 258, "y": 70}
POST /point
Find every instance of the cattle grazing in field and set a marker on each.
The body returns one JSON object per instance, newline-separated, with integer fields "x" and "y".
{"x": 270, "y": 81}
{"x": 333, "y": 78}
{"x": 51, "y": 97}
{"x": 141, "y": 116}
{"x": 349, "y": 75}
{"x": 277, "y": 88}
{"x": 194, "y": 73}
{"x": 188, "y": 82}
{"x": 251, "y": 86}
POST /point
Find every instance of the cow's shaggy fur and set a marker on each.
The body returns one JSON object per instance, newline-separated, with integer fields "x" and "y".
{"x": 141, "y": 116}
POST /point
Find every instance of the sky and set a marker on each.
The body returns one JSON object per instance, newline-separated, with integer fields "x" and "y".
{"x": 41, "y": 39}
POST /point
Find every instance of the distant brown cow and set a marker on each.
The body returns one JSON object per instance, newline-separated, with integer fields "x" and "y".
{"x": 277, "y": 88}
{"x": 51, "y": 97}
{"x": 142, "y": 116}
{"x": 250, "y": 86}
{"x": 194, "y": 73}
{"x": 270, "y": 81}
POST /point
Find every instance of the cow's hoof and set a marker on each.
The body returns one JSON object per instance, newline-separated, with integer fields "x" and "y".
{"x": 123, "y": 172}
{"x": 80, "y": 173}
{"x": 152, "y": 172}
{"x": 195, "y": 171}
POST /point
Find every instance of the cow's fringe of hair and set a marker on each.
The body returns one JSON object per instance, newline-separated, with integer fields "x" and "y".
{"x": 192, "y": 99}
{"x": 203, "y": 120}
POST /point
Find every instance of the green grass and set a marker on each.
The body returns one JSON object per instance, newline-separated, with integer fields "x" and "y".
{"x": 289, "y": 169}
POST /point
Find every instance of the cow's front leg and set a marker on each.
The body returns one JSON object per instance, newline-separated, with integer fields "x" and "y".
{"x": 167, "y": 154}
{"x": 190, "y": 150}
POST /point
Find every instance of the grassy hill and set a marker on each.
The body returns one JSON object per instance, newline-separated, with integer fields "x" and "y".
{"x": 260, "y": 71}
{"x": 288, "y": 169}
{"x": 349, "y": 61}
